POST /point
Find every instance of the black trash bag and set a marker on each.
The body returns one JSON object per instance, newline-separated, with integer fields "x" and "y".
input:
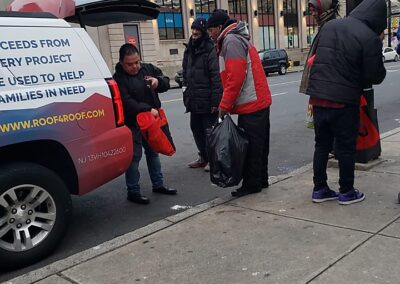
{"x": 227, "y": 148}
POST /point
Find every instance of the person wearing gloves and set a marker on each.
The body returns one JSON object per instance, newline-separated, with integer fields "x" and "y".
{"x": 348, "y": 58}
{"x": 246, "y": 93}
{"x": 202, "y": 87}
{"x": 139, "y": 85}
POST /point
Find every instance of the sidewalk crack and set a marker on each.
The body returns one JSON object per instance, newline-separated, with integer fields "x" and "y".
{"x": 353, "y": 249}
{"x": 66, "y": 278}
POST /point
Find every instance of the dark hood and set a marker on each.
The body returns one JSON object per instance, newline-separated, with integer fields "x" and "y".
{"x": 373, "y": 13}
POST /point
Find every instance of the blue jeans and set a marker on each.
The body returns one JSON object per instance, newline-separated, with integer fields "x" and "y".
{"x": 132, "y": 174}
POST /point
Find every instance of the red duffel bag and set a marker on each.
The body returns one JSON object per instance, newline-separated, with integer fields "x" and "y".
{"x": 368, "y": 134}
{"x": 156, "y": 132}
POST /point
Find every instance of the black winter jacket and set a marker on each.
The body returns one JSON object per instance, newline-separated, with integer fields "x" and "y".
{"x": 348, "y": 55}
{"x": 201, "y": 77}
{"x": 136, "y": 95}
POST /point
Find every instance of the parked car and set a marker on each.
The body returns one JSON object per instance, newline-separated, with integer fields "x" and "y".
{"x": 389, "y": 54}
{"x": 274, "y": 60}
{"x": 179, "y": 78}
{"x": 62, "y": 129}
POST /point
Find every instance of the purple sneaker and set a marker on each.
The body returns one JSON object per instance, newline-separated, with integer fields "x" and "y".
{"x": 324, "y": 194}
{"x": 353, "y": 196}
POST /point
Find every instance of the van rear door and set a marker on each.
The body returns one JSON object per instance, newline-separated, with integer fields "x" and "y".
{"x": 96, "y": 13}
{"x": 92, "y": 13}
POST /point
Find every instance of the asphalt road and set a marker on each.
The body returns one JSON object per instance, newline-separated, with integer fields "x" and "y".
{"x": 105, "y": 214}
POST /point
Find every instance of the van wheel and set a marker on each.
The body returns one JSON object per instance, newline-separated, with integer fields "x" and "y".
{"x": 35, "y": 207}
{"x": 282, "y": 70}
{"x": 396, "y": 58}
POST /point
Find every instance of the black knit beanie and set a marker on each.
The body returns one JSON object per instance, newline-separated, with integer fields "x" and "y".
{"x": 218, "y": 17}
{"x": 201, "y": 24}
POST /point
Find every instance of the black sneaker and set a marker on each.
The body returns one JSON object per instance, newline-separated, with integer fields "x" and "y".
{"x": 242, "y": 192}
{"x": 265, "y": 184}
{"x": 137, "y": 198}
{"x": 165, "y": 190}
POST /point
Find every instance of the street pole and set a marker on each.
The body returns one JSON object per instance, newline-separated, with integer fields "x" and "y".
{"x": 389, "y": 23}
{"x": 372, "y": 153}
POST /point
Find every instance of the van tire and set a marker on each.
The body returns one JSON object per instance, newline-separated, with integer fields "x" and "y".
{"x": 36, "y": 200}
{"x": 282, "y": 70}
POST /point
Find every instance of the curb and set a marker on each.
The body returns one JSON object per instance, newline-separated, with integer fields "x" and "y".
{"x": 116, "y": 243}
{"x": 295, "y": 71}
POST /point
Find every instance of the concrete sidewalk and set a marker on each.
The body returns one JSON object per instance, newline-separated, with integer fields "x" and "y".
{"x": 277, "y": 236}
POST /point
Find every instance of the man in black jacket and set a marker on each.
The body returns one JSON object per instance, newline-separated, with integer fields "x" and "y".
{"x": 139, "y": 85}
{"x": 202, "y": 87}
{"x": 348, "y": 58}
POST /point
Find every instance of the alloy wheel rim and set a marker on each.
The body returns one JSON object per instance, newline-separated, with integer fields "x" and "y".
{"x": 27, "y": 216}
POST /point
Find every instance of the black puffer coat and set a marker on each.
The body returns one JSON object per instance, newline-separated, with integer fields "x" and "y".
{"x": 136, "y": 95}
{"x": 201, "y": 77}
{"x": 349, "y": 54}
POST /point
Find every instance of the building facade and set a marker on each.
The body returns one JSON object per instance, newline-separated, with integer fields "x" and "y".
{"x": 272, "y": 24}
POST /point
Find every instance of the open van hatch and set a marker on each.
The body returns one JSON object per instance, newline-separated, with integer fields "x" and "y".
{"x": 92, "y": 13}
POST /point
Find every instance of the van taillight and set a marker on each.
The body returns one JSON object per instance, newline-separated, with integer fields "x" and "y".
{"x": 117, "y": 101}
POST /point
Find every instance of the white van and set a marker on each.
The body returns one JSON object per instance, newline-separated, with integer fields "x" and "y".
{"x": 61, "y": 123}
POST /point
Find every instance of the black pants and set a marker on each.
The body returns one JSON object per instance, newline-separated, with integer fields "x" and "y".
{"x": 199, "y": 122}
{"x": 257, "y": 128}
{"x": 342, "y": 126}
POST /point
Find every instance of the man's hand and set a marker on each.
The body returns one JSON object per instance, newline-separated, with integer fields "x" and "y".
{"x": 152, "y": 82}
{"x": 154, "y": 112}
{"x": 222, "y": 113}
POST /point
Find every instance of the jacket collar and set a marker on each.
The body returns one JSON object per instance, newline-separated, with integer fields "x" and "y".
{"x": 223, "y": 34}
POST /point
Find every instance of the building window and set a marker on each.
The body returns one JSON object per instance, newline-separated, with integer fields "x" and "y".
{"x": 170, "y": 23}
{"x": 311, "y": 24}
{"x": 290, "y": 14}
{"x": 205, "y": 7}
{"x": 238, "y": 10}
{"x": 131, "y": 35}
{"x": 266, "y": 22}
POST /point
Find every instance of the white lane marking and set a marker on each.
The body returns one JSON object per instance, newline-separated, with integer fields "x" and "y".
{"x": 280, "y": 94}
{"x": 171, "y": 101}
{"x": 391, "y": 71}
{"x": 392, "y": 66}
{"x": 285, "y": 83}
{"x": 277, "y": 84}
{"x": 176, "y": 100}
